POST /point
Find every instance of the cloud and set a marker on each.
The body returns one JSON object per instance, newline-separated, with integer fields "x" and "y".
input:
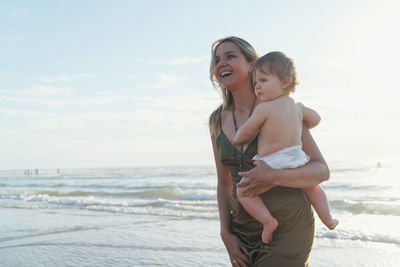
{"x": 63, "y": 78}
{"x": 12, "y": 38}
{"x": 191, "y": 102}
{"x": 56, "y": 97}
{"x": 11, "y": 74}
{"x": 128, "y": 76}
{"x": 143, "y": 115}
{"x": 44, "y": 90}
{"x": 176, "y": 60}
{"x": 24, "y": 113}
{"x": 61, "y": 102}
{"x": 20, "y": 13}
{"x": 99, "y": 101}
{"x": 166, "y": 80}
{"x": 170, "y": 122}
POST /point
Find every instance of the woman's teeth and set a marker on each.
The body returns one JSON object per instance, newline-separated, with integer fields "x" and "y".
{"x": 225, "y": 73}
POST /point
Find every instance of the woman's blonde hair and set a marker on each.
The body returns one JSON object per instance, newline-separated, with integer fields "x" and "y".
{"x": 250, "y": 54}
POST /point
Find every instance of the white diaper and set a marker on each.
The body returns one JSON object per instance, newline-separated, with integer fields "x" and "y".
{"x": 287, "y": 158}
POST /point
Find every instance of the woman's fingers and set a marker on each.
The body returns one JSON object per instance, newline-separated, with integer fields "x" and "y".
{"x": 240, "y": 253}
{"x": 244, "y": 182}
{"x": 244, "y": 250}
{"x": 246, "y": 186}
{"x": 238, "y": 263}
{"x": 245, "y": 174}
{"x": 254, "y": 181}
{"x": 243, "y": 258}
{"x": 239, "y": 259}
{"x": 237, "y": 253}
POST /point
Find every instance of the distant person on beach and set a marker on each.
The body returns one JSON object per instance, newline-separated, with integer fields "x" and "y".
{"x": 281, "y": 190}
{"x": 278, "y": 121}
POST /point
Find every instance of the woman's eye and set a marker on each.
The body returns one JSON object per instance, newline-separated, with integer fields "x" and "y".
{"x": 231, "y": 56}
{"x": 216, "y": 61}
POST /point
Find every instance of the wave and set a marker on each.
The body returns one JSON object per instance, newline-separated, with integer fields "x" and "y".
{"x": 179, "y": 193}
{"x": 352, "y": 169}
{"x": 358, "y": 236}
{"x": 348, "y": 186}
{"x": 367, "y": 207}
{"x": 53, "y": 232}
{"x": 137, "y": 191}
{"x": 162, "y": 205}
{"x": 186, "y": 213}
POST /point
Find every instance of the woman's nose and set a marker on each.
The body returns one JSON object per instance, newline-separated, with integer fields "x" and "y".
{"x": 221, "y": 62}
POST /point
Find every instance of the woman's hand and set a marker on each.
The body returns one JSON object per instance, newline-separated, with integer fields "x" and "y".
{"x": 256, "y": 181}
{"x": 238, "y": 255}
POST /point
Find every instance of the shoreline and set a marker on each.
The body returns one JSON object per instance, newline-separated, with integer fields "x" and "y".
{"x": 52, "y": 236}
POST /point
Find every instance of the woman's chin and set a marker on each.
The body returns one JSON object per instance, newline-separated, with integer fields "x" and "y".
{"x": 227, "y": 83}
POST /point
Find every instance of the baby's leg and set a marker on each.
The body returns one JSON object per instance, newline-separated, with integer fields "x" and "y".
{"x": 319, "y": 201}
{"x": 256, "y": 208}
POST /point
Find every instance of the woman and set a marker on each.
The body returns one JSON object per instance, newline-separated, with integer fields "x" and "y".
{"x": 230, "y": 68}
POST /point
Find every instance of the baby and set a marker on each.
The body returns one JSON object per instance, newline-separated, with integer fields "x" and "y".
{"x": 279, "y": 120}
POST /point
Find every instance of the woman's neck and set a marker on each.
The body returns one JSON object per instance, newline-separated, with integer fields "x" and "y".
{"x": 243, "y": 99}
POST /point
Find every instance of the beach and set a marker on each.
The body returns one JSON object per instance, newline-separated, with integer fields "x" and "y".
{"x": 168, "y": 216}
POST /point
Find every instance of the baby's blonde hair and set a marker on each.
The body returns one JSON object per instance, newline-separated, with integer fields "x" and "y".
{"x": 277, "y": 63}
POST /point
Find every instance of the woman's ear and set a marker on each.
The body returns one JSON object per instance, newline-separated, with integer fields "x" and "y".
{"x": 251, "y": 66}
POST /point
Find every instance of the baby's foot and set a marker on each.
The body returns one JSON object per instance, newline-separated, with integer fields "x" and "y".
{"x": 331, "y": 224}
{"x": 268, "y": 230}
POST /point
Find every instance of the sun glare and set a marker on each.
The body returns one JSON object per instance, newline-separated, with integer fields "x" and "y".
{"x": 376, "y": 44}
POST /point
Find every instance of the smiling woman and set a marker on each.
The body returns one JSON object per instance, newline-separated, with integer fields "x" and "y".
{"x": 231, "y": 66}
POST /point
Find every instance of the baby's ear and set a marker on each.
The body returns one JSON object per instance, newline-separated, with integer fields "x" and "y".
{"x": 286, "y": 81}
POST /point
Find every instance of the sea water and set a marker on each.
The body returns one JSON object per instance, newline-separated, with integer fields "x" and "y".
{"x": 168, "y": 216}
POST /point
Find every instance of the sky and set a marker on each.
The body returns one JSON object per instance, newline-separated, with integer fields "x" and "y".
{"x": 95, "y": 83}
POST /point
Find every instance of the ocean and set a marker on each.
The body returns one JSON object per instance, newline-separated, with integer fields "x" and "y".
{"x": 168, "y": 216}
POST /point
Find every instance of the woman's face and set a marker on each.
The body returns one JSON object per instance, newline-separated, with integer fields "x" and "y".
{"x": 231, "y": 67}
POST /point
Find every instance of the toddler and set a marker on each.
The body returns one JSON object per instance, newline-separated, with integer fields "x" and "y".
{"x": 279, "y": 121}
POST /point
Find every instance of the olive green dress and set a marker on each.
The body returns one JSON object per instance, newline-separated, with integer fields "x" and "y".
{"x": 292, "y": 240}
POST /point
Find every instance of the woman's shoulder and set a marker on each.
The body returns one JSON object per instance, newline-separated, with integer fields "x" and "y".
{"x": 215, "y": 120}
{"x": 224, "y": 114}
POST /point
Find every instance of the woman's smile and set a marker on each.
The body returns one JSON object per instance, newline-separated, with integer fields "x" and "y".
{"x": 231, "y": 67}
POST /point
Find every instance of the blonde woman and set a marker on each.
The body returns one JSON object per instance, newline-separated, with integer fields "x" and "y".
{"x": 230, "y": 71}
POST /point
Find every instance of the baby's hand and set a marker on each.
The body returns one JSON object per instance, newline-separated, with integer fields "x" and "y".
{"x": 235, "y": 140}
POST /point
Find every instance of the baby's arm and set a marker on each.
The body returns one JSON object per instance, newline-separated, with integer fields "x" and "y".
{"x": 250, "y": 127}
{"x": 310, "y": 117}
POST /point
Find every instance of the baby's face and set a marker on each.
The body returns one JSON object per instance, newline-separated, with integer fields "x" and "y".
{"x": 267, "y": 87}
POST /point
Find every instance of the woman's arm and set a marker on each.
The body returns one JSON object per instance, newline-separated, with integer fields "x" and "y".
{"x": 224, "y": 196}
{"x": 224, "y": 190}
{"x": 262, "y": 178}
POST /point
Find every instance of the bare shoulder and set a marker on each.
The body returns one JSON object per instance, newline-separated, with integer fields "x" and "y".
{"x": 224, "y": 114}
{"x": 279, "y": 103}
{"x": 264, "y": 106}
{"x": 262, "y": 110}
